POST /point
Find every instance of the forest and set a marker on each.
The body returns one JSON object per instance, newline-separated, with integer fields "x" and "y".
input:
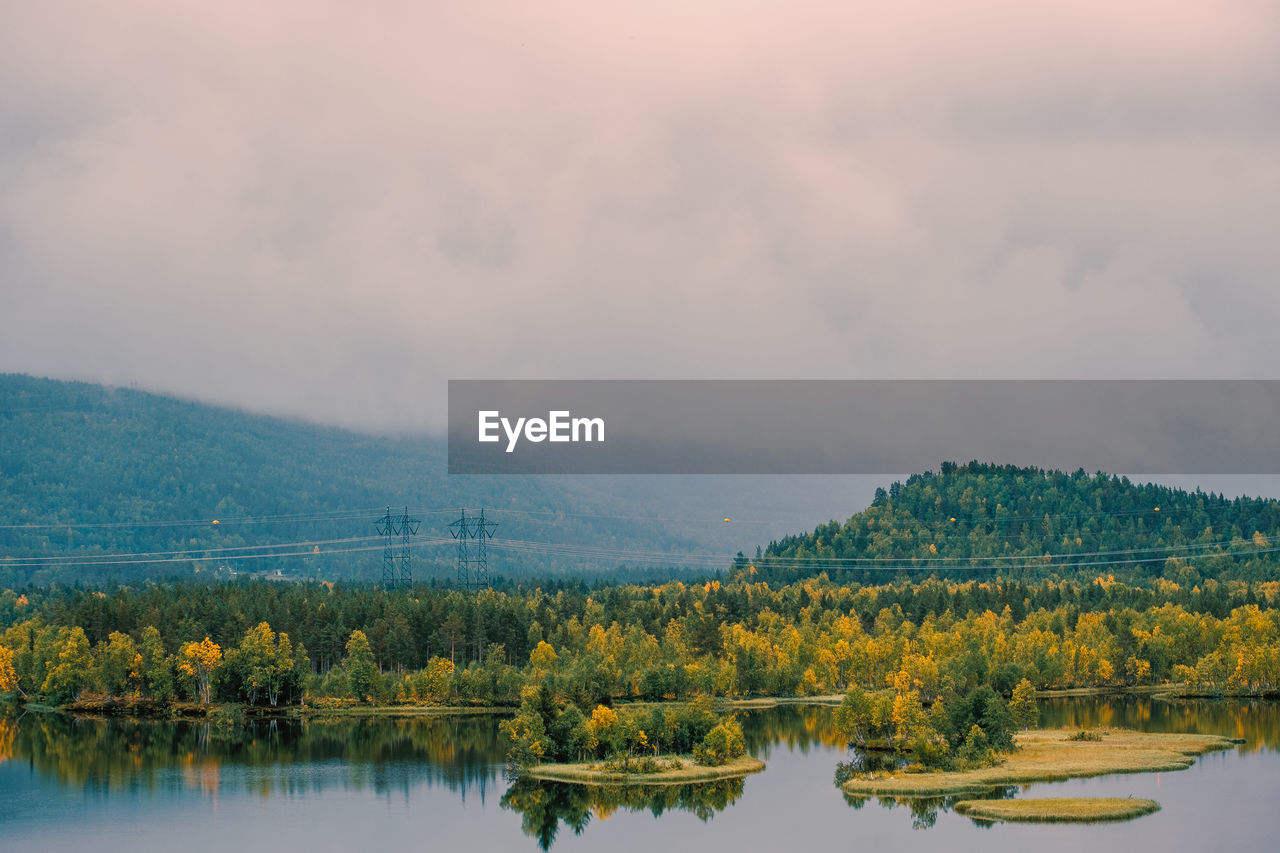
{"x": 1014, "y": 522}
{"x": 264, "y": 643}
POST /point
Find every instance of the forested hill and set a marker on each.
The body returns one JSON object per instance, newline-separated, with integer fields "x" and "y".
{"x": 979, "y": 520}
{"x": 86, "y": 470}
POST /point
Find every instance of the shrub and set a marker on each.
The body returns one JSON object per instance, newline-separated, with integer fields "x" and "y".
{"x": 1084, "y": 735}
{"x": 721, "y": 745}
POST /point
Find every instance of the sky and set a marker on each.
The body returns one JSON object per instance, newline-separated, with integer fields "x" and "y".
{"x": 326, "y": 210}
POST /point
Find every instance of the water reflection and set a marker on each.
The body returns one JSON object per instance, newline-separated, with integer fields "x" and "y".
{"x": 59, "y": 772}
{"x": 795, "y": 727}
{"x": 544, "y": 806}
{"x": 924, "y": 810}
{"x": 1255, "y": 720}
{"x": 275, "y": 756}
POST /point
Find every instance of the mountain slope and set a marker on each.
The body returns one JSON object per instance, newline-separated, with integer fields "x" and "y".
{"x": 88, "y": 470}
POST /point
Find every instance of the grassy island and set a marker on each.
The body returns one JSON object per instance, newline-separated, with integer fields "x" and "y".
{"x": 598, "y": 773}
{"x": 1052, "y": 755}
{"x": 1058, "y": 809}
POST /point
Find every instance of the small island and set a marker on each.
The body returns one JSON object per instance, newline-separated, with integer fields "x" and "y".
{"x": 1058, "y": 809}
{"x": 551, "y": 738}
{"x": 1052, "y": 755}
{"x": 673, "y": 770}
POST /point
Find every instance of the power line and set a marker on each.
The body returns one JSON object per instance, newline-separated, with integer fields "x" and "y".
{"x": 474, "y": 526}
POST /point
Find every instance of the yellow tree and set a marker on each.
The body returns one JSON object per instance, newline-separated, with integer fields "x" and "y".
{"x": 1023, "y": 707}
{"x": 432, "y": 684}
{"x": 542, "y": 659}
{"x": 8, "y": 675}
{"x": 603, "y": 730}
{"x": 198, "y": 662}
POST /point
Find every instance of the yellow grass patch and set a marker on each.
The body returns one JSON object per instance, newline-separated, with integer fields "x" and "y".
{"x": 1047, "y": 755}
{"x": 1058, "y": 809}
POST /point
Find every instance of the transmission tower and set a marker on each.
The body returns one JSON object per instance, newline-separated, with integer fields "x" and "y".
{"x": 408, "y": 527}
{"x": 473, "y": 554}
{"x": 390, "y": 526}
{"x": 461, "y": 531}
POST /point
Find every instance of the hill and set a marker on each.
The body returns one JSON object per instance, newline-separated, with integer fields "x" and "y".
{"x": 981, "y": 520}
{"x": 101, "y": 484}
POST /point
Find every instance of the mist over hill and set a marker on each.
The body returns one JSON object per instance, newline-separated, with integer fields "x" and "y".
{"x": 102, "y": 484}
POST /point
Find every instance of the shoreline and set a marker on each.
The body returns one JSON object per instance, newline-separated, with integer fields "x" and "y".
{"x": 105, "y": 707}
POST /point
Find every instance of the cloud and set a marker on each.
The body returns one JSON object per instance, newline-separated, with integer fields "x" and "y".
{"x": 309, "y": 212}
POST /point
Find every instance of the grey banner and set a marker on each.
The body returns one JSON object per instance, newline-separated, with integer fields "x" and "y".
{"x": 861, "y": 426}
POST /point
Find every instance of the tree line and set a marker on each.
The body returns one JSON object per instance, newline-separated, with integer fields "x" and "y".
{"x": 270, "y": 644}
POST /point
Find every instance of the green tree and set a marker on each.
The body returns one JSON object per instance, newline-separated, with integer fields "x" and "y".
{"x": 854, "y": 719}
{"x": 120, "y": 665}
{"x": 721, "y": 745}
{"x": 72, "y": 669}
{"x": 255, "y": 660}
{"x": 526, "y": 731}
{"x": 298, "y": 683}
{"x": 360, "y": 667}
{"x": 157, "y": 668}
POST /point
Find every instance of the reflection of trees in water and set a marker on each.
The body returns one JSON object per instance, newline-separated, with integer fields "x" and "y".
{"x": 544, "y": 805}
{"x": 272, "y": 755}
{"x": 924, "y": 810}
{"x": 1255, "y": 720}
{"x": 798, "y": 727}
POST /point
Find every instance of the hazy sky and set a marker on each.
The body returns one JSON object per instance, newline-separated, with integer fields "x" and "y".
{"x": 297, "y": 210}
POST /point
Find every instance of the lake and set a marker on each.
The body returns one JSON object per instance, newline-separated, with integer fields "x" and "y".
{"x": 439, "y": 783}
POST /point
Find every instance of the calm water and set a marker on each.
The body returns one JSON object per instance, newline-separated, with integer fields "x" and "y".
{"x": 439, "y": 783}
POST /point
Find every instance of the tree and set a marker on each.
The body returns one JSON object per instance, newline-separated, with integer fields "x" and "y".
{"x": 157, "y": 668}
{"x": 526, "y": 731}
{"x": 434, "y": 683}
{"x": 198, "y": 662}
{"x": 301, "y": 674}
{"x": 255, "y": 661}
{"x": 8, "y": 675}
{"x": 1023, "y": 706}
{"x": 280, "y": 674}
{"x": 120, "y": 665}
{"x": 854, "y": 719}
{"x": 721, "y": 745}
{"x": 361, "y": 670}
{"x": 603, "y": 732}
{"x": 542, "y": 659}
{"x": 72, "y": 669}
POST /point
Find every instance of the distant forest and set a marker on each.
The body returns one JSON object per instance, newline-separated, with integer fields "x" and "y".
{"x": 982, "y": 521}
